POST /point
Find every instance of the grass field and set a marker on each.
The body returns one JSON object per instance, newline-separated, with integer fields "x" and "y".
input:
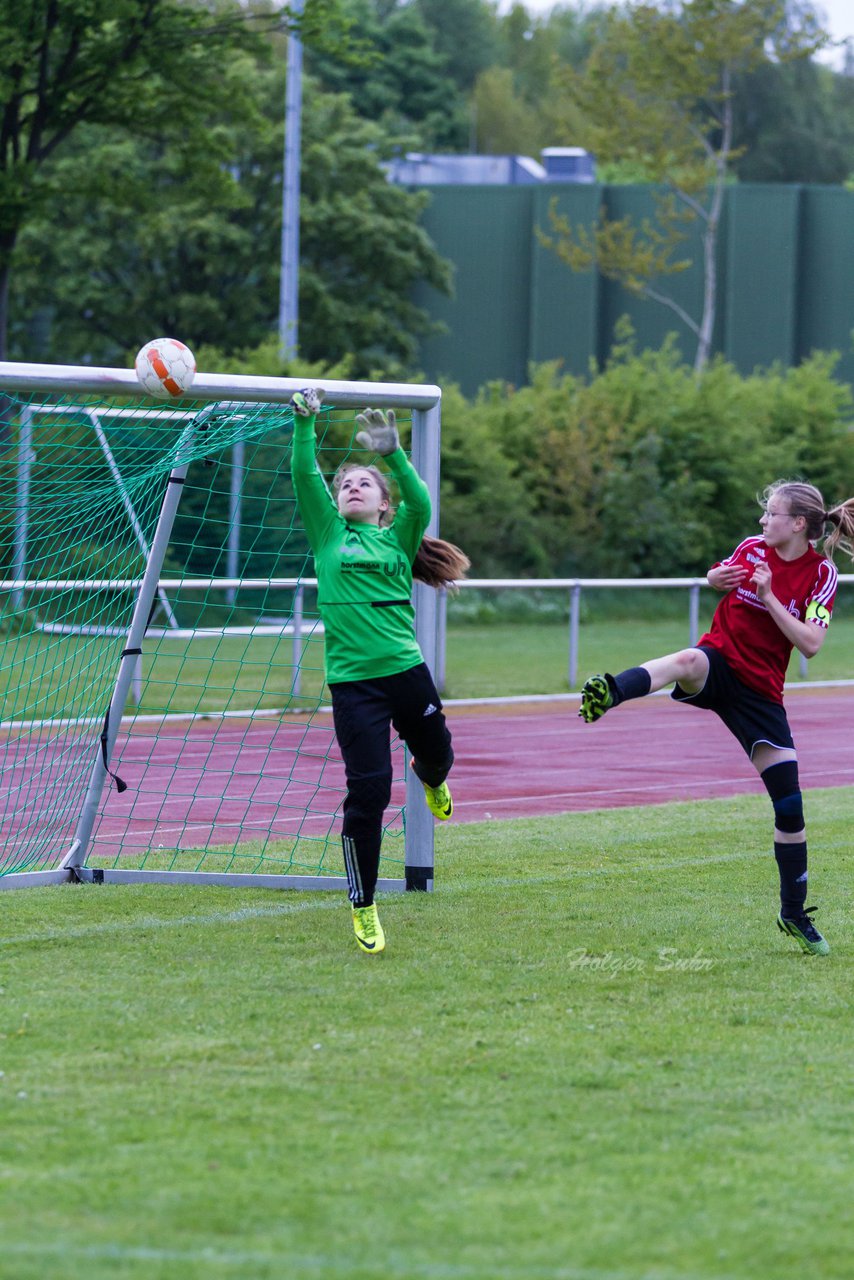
{"x": 483, "y": 660}
{"x": 589, "y": 1055}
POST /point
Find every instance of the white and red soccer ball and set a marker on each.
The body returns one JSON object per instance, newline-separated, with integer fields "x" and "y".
{"x": 165, "y": 368}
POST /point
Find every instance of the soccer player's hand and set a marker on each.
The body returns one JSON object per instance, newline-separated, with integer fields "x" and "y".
{"x": 379, "y": 431}
{"x": 726, "y": 576}
{"x": 307, "y": 401}
{"x": 762, "y": 581}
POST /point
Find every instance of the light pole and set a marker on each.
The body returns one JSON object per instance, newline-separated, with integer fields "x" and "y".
{"x": 289, "y": 277}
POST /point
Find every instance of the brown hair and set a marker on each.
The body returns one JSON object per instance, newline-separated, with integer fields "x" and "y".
{"x": 437, "y": 562}
{"x": 805, "y": 500}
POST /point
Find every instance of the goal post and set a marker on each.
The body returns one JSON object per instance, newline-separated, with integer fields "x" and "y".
{"x": 165, "y": 716}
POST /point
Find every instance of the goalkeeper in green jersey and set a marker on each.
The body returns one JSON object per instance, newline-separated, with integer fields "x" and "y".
{"x": 365, "y": 560}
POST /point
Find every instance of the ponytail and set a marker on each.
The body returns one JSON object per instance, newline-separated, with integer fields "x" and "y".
{"x": 842, "y": 519}
{"x": 439, "y": 563}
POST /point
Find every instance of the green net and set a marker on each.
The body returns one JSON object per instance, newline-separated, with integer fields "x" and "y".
{"x": 226, "y": 745}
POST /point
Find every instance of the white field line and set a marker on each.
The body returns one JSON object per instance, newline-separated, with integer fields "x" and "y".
{"x": 145, "y": 923}
{"x": 394, "y": 1266}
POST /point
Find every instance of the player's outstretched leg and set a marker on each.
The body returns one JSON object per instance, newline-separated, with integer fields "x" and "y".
{"x": 368, "y": 930}
{"x": 805, "y": 933}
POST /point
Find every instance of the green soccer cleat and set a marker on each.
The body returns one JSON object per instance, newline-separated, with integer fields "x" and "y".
{"x": 597, "y": 697}
{"x": 368, "y": 930}
{"x": 805, "y": 933}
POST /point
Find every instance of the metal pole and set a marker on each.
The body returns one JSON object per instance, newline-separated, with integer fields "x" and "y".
{"x": 289, "y": 277}
{"x": 26, "y": 458}
{"x": 693, "y": 613}
{"x": 296, "y": 643}
{"x": 235, "y": 515}
{"x": 148, "y": 589}
{"x": 442, "y": 642}
{"x": 574, "y": 618}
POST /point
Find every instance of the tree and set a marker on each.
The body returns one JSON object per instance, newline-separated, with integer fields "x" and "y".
{"x": 151, "y": 67}
{"x": 189, "y": 244}
{"x": 657, "y": 96}
{"x": 794, "y": 123}
{"x": 403, "y": 82}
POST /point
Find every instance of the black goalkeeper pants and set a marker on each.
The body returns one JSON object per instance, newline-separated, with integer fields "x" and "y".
{"x": 364, "y": 712}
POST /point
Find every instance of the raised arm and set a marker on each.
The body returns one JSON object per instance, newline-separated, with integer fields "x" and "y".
{"x": 316, "y": 504}
{"x": 379, "y": 435}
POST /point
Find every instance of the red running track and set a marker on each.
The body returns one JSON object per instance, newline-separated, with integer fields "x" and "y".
{"x": 225, "y": 781}
{"x": 545, "y": 760}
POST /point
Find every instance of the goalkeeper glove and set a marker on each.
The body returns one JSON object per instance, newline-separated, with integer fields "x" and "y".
{"x": 307, "y": 401}
{"x": 379, "y": 431}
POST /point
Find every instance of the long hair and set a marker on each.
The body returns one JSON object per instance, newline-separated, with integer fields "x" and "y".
{"x": 437, "y": 562}
{"x": 805, "y": 500}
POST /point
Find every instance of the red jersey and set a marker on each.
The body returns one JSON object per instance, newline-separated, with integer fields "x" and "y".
{"x": 743, "y": 630}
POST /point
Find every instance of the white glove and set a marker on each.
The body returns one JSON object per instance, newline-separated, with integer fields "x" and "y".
{"x": 307, "y": 401}
{"x": 379, "y": 431}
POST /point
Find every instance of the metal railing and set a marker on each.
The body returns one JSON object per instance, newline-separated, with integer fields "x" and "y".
{"x": 574, "y": 588}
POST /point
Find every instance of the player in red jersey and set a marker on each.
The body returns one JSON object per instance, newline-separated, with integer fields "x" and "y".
{"x": 778, "y": 595}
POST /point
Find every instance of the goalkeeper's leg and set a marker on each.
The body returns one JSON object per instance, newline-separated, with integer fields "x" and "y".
{"x": 362, "y": 721}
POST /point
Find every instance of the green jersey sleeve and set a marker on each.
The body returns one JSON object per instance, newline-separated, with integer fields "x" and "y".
{"x": 413, "y": 515}
{"x": 316, "y": 504}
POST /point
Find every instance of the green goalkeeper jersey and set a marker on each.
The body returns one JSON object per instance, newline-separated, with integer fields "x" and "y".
{"x": 364, "y": 572}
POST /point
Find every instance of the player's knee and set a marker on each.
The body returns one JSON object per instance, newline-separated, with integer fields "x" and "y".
{"x": 695, "y": 664}
{"x": 368, "y": 795}
{"x": 782, "y": 784}
{"x": 434, "y": 769}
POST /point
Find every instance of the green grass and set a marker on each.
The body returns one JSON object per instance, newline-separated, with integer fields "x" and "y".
{"x": 483, "y": 660}
{"x": 589, "y": 1055}
{"x": 520, "y": 658}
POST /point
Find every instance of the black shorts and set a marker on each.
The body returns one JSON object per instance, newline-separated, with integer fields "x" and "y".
{"x": 364, "y": 710}
{"x": 747, "y": 715}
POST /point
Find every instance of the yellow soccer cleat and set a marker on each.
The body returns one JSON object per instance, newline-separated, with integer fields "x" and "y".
{"x": 368, "y": 930}
{"x": 439, "y": 801}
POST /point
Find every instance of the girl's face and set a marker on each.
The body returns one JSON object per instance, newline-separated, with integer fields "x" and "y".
{"x": 779, "y": 527}
{"x": 360, "y": 498}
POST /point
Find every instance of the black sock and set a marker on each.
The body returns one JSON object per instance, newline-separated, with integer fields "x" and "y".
{"x": 792, "y": 864}
{"x": 635, "y": 682}
{"x": 361, "y": 863}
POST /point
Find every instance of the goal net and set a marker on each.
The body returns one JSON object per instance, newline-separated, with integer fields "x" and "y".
{"x": 165, "y": 715}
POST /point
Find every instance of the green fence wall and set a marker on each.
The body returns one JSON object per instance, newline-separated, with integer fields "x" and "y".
{"x": 785, "y": 281}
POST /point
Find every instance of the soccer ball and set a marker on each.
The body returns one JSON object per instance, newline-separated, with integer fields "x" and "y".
{"x": 165, "y": 368}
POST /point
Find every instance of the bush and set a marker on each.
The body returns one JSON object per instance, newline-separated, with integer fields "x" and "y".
{"x": 646, "y": 469}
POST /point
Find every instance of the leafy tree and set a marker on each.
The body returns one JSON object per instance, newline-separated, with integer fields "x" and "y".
{"x": 189, "y": 243}
{"x": 657, "y": 93}
{"x": 794, "y": 123}
{"x": 403, "y": 82}
{"x": 465, "y": 33}
{"x": 504, "y": 122}
{"x": 361, "y": 245}
{"x": 155, "y": 68}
